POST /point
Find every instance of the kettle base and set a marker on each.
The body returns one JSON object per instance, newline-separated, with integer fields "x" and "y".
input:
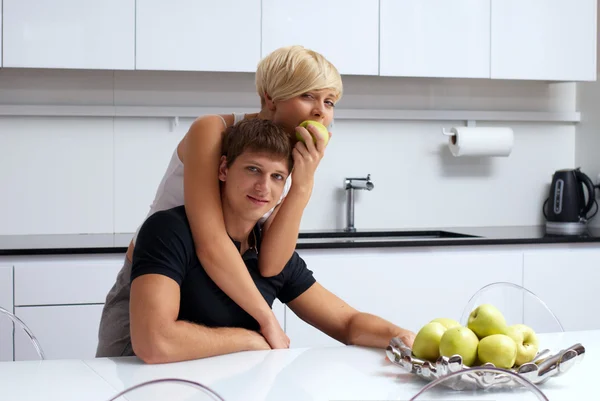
{"x": 561, "y": 228}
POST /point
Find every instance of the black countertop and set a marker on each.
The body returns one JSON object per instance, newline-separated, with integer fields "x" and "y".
{"x": 321, "y": 239}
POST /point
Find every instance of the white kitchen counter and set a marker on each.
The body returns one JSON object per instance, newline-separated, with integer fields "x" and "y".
{"x": 308, "y": 374}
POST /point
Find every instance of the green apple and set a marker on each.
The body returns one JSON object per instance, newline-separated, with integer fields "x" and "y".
{"x": 499, "y": 349}
{"x": 447, "y": 323}
{"x": 486, "y": 320}
{"x": 526, "y": 340}
{"x": 461, "y": 341}
{"x": 427, "y": 342}
{"x": 323, "y": 131}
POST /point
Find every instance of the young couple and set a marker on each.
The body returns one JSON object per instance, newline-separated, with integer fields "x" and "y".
{"x": 201, "y": 273}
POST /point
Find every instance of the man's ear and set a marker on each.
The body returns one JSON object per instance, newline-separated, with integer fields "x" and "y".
{"x": 223, "y": 169}
{"x": 269, "y": 102}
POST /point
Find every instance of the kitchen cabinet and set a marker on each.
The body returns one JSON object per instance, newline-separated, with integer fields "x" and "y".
{"x": 61, "y": 301}
{"x": 544, "y": 39}
{"x": 568, "y": 281}
{"x": 1, "y": 33}
{"x": 65, "y": 282}
{"x": 198, "y": 35}
{"x": 279, "y": 312}
{"x": 435, "y": 38}
{"x": 407, "y": 287}
{"x": 344, "y": 31}
{"x": 83, "y": 34}
{"x": 6, "y": 302}
{"x": 63, "y": 331}
{"x": 64, "y": 183}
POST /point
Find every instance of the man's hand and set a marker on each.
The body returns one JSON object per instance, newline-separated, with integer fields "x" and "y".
{"x": 407, "y": 337}
{"x": 274, "y": 335}
{"x": 307, "y": 156}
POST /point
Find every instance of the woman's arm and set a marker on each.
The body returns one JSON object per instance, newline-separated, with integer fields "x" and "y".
{"x": 280, "y": 231}
{"x": 201, "y": 153}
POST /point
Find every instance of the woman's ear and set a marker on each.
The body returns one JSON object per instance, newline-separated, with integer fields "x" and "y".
{"x": 223, "y": 169}
{"x": 270, "y": 103}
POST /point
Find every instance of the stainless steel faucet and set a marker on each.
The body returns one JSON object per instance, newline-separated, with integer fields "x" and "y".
{"x": 350, "y": 184}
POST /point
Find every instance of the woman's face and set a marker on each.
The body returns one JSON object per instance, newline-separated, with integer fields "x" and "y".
{"x": 315, "y": 105}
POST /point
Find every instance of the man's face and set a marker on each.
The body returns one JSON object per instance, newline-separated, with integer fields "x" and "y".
{"x": 253, "y": 183}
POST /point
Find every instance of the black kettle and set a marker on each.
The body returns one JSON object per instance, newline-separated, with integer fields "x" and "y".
{"x": 567, "y": 207}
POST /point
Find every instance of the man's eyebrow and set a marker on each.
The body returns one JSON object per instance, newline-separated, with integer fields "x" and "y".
{"x": 257, "y": 164}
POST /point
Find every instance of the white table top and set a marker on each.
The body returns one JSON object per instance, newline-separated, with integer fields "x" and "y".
{"x": 308, "y": 374}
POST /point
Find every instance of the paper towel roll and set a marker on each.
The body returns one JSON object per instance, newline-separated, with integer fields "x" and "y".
{"x": 481, "y": 141}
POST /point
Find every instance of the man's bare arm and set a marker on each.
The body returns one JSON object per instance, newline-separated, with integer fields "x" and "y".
{"x": 158, "y": 337}
{"x": 328, "y": 313}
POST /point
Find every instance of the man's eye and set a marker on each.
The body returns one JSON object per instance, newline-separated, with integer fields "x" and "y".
{"x": 278, "y": 176}
{"x": 253, "y": 169}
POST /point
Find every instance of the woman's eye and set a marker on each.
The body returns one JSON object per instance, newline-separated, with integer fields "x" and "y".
{"x": 278, "y": 177}
{"x": 330, "y": 103}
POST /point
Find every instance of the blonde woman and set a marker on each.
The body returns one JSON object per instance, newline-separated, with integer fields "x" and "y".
{"x": 294, "y": 84}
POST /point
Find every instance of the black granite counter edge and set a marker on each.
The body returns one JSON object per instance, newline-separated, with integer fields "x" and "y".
{"x": 327, "y": 243}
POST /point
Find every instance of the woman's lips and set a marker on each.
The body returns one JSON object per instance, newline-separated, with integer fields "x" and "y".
{"x": 256, "y": 201}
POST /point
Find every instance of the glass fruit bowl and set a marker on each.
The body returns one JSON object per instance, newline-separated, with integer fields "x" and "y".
{"x": 544, "y": 366}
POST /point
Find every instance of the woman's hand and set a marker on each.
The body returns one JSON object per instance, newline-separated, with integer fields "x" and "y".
{"x": 307, "y": 155}
{"x": 275, "y": 335}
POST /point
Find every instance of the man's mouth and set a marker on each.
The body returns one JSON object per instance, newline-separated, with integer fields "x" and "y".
{"x": 257, "y": 201}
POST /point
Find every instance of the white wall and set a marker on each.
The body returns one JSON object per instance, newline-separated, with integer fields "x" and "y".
{"x": 89, "y": 175}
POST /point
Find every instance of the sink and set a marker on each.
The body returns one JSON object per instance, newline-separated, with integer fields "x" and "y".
{"x": 379, "y": 236}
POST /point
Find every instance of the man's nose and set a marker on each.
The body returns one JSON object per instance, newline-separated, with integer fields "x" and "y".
{"x": 262, "y": 184}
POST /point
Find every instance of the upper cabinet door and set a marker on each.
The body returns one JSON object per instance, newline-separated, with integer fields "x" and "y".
{"x": 346, "y": 32}
{"x": 544, "y": 39}
{"x": 84, "y": 34}
{"x": 198, "y": 35}
{"x": 435, "y": 38}
{"x": 0, "y": 33}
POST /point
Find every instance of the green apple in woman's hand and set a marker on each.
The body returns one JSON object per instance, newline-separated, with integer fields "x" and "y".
{"x": 320, "y": 127}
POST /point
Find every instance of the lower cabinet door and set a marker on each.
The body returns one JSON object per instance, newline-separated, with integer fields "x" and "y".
{"x": 6, "y": 302}
{"x": 64, "y": 332}
{"x": 279, "y": 312}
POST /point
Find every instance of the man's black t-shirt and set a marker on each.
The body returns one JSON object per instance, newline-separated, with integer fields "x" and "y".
{"x": 165, "y": 246}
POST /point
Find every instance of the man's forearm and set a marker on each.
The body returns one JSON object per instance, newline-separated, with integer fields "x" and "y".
{"x": 372, "y": 331}
{"x": 183, "y": 341}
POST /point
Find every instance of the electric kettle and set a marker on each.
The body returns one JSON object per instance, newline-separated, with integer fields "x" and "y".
{"x": 567, "y": 208}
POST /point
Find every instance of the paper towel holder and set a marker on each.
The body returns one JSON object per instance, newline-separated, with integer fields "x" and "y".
{"x": 470, "y": 123}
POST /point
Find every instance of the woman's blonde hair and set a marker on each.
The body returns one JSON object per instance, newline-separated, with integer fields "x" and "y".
{"x": 293, "y": 70}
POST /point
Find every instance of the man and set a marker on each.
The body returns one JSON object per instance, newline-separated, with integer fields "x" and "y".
{"x": 178, "y": 313}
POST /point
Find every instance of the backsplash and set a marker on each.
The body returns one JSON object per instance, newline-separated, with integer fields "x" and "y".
{"x": 99, "y": 174}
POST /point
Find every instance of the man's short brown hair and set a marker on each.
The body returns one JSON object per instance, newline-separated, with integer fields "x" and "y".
{"x": 257, "y": 135}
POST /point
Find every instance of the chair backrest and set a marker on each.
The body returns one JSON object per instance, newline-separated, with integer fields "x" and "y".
{"x": 211, "y": 395}
{"x": 465, "y": 377}
{"x": 19, "y": 322}
{"x": 518, "y": 305}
